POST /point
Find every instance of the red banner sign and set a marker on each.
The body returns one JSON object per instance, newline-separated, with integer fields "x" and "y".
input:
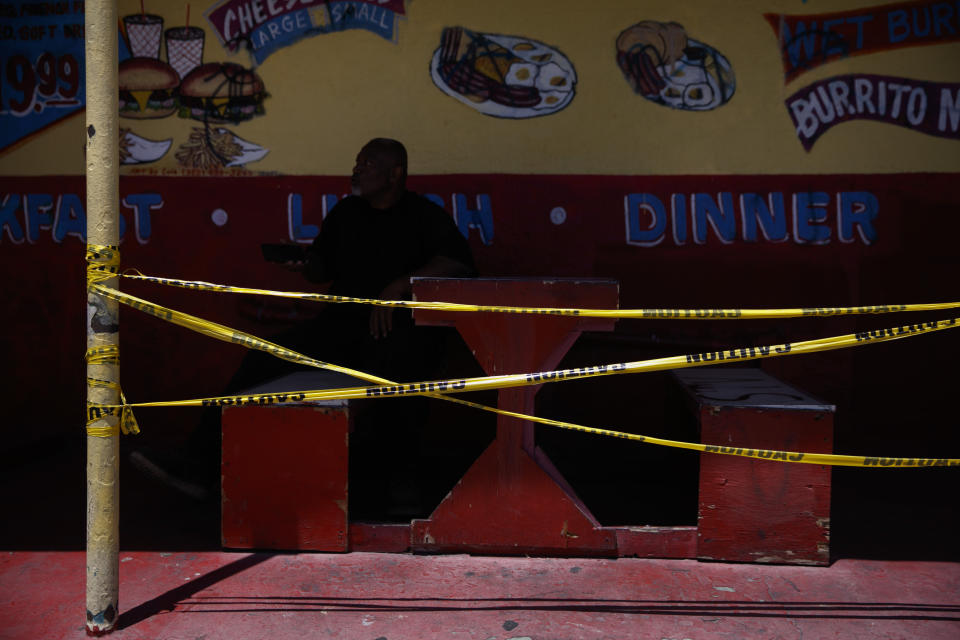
{"x": 266, "y": 25}
{"x": 929, "y": 107}
{"x": 809, "y": 41}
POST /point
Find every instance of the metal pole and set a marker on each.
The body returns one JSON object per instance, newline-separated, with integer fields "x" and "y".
{"x": 103, "y": 195}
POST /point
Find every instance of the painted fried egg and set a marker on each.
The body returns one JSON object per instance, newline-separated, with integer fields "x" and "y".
{"x": 553, "y": 77}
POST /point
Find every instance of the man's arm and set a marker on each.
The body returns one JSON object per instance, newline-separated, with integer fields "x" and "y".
{"x": 311, "y": 265}
{"x": 381, "y": 318}
{"x": 451, "y": 258}
{"x": 438, "y": 267}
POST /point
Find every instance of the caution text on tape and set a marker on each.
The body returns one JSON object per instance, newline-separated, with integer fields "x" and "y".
{"x": 676, "y": 314}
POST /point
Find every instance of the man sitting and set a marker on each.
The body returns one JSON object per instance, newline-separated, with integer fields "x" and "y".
{"x": 369, "y": 246}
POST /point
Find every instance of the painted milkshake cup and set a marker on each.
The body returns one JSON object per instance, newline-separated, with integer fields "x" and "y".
{"x": 184, "y": 48}
{"x": 143, "y": 33}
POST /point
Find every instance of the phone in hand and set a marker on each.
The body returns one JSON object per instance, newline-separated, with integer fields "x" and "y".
{"x": 283, "y": 252}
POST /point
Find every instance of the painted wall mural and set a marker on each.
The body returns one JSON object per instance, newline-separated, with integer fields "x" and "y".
{"x": 212, "y": 93}
{"x": 809, "y": 41}
{"x": 669, "y": 213}
{"x": 41, "y": 69}
{"x": 665, "y": 66}
{"x": 138, "y": 150}
{"x": 224, "y": 92}
{"x": 262, "y": 27}
{"x": 175, "y": 73}
{"x": 147, "y": 87}
{"x": 727, "y": 217}
{"x": 240, "y": 127}
{"x": 211, "y": 147}
{"x": 502, "y": 76}
{"x": 927, "y": 107}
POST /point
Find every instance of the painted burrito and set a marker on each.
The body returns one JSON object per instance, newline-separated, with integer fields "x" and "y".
{"x": 504, "y": 76}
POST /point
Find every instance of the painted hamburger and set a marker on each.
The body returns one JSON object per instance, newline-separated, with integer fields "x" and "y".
{"x": 220, "y": 92}
{"x": 147, "y": 88}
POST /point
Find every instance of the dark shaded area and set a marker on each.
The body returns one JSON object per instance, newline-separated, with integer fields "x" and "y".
{"x": 45, "y": 486}
{"x": 892, "y": 514}
{"x": 395, "y": 481}
{"x": 169, "y": 600}
{"x": 880, "y": 513}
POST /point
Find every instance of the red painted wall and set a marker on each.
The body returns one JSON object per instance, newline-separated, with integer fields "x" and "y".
{"x": 884, "y": 239}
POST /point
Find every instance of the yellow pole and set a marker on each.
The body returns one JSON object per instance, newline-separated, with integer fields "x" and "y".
{"x": 103, "y": 202}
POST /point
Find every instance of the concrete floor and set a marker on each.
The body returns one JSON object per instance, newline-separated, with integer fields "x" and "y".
{"x": 896, "y": 574}
{"x": 213, "y": 595}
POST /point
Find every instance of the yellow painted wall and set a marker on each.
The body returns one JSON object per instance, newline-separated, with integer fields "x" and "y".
{"x": 332, "y": 92}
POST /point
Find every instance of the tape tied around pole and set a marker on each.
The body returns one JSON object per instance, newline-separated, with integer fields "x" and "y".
{"x": 103, "y": 263}
{"x": 128, "y": 423}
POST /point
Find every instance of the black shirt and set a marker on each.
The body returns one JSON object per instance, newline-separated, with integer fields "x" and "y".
{"x": 361, "y": 249}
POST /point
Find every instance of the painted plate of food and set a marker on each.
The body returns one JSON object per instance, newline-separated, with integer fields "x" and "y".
{"x": 502, "y": 76}
{"x": 664, "y": 65}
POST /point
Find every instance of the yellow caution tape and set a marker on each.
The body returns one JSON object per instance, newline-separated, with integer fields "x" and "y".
{"x": 741, "y": 354}
{"x": 215, "y": 330}
{"x": 102, "y": 432}
{"x": 107, "y": 354}
{"x": 676, "y": 314}
{"x": 829, "y": 459}
{"x": 439, "y": 388}
{"x": 95, "y": 412}
{"x": 103, "y": 263}
{"x": 221, "y": 332}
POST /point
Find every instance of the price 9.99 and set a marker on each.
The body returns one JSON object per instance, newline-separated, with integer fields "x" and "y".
{"x": 52, "y": 81}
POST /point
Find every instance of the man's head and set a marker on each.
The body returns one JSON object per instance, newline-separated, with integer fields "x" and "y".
{"x": 380, "y": 172}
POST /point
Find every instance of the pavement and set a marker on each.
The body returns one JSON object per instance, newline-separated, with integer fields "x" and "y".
{"x": 895, "y": 574}
{"x": 373, "y": 596}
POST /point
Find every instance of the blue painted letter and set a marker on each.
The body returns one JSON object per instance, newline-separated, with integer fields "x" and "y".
{"x": 808, "y": 210}
{"x": 480, "y": 218}
{"x": 858, "y": 209}
{"x": 645, "y": 235}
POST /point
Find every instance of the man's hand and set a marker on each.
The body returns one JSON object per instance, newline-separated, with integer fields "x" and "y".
{"x": 297, "y": 266}
{"x": 381, "y": 318}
